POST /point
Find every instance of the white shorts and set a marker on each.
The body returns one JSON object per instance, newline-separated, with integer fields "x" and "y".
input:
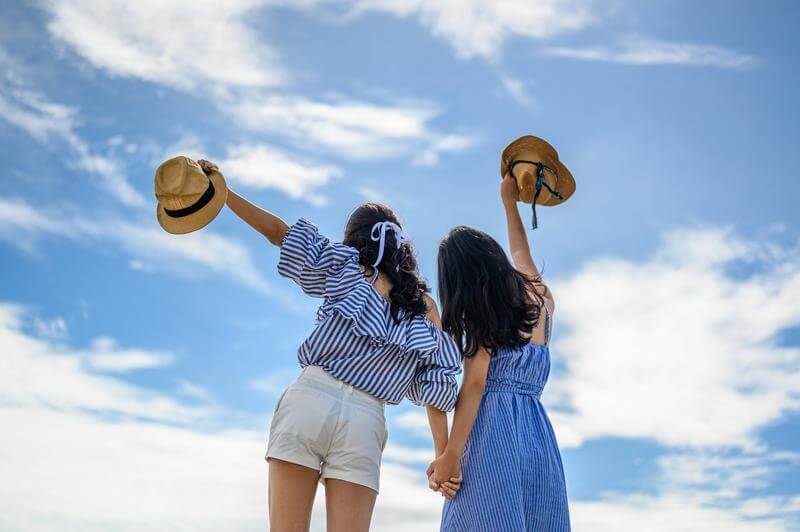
{"x": 322, "y": 423}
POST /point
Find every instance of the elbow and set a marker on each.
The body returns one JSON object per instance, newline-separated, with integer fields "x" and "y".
{"x": 275, "y": 234}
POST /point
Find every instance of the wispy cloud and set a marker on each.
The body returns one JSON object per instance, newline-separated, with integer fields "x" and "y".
{"x": 105, "y": 355}
{"x": 261, "y": 166}
{"x": 517, "y": 89}
{"x": 347, "y": 128}
{"x": 636, "y": 50}
{"x": 478, "y": 28}
{"x": 22, "y": 225}
{"x": 185, "y": 44}
{"x": 48, "y": 121}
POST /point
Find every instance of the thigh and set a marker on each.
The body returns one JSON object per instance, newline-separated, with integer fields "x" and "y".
{"x": 349, "y": 506}
{"x": 291, "y": 496}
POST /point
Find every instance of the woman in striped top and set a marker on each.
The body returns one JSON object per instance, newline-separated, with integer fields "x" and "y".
{"x": 377, "y": 341}
{"x": 501, "y": 438}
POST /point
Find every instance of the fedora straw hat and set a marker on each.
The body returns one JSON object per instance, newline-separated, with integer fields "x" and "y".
{"x": 188, "y": 198}
{"x": 544, "y": 180}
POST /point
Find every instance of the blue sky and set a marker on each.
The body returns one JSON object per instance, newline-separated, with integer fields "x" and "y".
{"x": 152, "y": 362}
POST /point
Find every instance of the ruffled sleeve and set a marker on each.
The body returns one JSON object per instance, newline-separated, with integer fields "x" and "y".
{"x": 435, "y": 380}
{"x": 322, "y": 268}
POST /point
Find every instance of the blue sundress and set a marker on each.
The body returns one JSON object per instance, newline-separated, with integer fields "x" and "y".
{"x": 513, "y": 479}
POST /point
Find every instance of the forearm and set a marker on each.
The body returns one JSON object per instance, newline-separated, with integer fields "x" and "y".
{"x": 438, "y": 423}
{"x": 467, "y": 404}
{"x": 518, "y": 240}
{"x": 262, "y": 221}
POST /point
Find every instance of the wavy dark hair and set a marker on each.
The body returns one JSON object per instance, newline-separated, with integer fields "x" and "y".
{"x": 485, "y": 301}
{"x": 399, "y": 265}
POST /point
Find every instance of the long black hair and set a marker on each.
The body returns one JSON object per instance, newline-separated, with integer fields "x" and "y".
{"x": 486, "y": 302}
{"x": 398, "y": 264}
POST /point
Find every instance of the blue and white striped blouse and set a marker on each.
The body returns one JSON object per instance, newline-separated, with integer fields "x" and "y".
{"x": 356, "y": 339}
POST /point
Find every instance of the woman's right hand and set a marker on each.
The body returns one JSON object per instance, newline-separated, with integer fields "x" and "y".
{"x": 509, "y": 191}
{"x": 207, "y": 166}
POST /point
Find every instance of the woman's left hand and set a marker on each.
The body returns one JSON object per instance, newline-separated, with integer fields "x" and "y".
{"x": 509, "y": 190}
{"x": 449, "y": 489}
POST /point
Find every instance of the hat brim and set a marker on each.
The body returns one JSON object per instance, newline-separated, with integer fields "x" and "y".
{"x": 199, "y": 219}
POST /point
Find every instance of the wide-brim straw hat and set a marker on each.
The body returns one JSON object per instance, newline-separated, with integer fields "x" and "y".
{"x": 555, "y": 174}
{"x": 188, "y": 198}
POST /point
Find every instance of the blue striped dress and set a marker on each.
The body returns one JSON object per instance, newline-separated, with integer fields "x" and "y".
{"x": 356, "y": 339}
{"x": 513, "y": 480}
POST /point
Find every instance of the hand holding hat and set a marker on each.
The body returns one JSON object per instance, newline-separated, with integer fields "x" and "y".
{"x": 541, "y": 177}
{"x": 190, "y": 194}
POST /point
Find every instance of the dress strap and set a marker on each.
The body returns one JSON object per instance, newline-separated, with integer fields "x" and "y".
{"x": 548, "y": 324}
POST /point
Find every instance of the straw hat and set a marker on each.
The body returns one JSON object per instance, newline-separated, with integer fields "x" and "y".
{"x": 188, "y": 199}
{"x": 558, "y": 184}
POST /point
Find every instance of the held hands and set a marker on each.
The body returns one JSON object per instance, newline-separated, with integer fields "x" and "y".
{"x": 509, "y": 191}
{"x": 444, "y": 474}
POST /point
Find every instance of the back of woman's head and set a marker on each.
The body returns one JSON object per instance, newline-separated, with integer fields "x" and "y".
{"x": 398, "y": 263}
{"x": 485, "y": 301}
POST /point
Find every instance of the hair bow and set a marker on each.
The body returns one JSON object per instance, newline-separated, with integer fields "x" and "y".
{"x": 378, "y": 234}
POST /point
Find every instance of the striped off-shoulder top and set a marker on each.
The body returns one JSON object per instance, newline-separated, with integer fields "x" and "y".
{"x": 356, "y": 339}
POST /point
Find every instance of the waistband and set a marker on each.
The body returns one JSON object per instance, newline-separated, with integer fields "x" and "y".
{"x": 513, "y": 386}
{"x": 320, "y": 377}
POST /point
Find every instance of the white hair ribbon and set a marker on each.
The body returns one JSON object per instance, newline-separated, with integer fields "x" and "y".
{"x": 379, "y": 235}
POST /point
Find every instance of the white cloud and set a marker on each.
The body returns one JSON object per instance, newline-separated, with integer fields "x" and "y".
{"x": 347, "y": 129}
{"x": 664, "y": 513}
{"x": 261, "y": 166}
{"x": 635, "y": 50}
{"x": 104, "y": 355}
{"x": 193, "y": 391}
{"x": 54, "y": 329}
{"x": 719, "y": 476}
{"x": 22, "y": 225}
{"x": 517, "y": 89}
{"x": 451, "y": 143}
{"x": 181, "y": 43}
{"x": 678, "y": 349}
{"x": 135, "y": 474}
{"x": 479, "y": 28}
{"x": 47, "y": 121}
{"x": 38, "y": 374}
{"x": 81, "y": 456}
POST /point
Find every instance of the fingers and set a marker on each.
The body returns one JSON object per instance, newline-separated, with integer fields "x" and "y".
{"x": 451, "y": 486}
{"x": 432, "y": 484}
{"x": 446, "y": 492}
{"x": 207, "y": 166}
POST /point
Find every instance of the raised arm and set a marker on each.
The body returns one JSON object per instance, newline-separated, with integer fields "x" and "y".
{"x": 262, "y": 221}
{"x": 517, "y": 239}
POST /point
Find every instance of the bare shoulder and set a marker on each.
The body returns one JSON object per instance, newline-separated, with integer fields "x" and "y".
{"x": 545, "y": 294}
{"x": 433, "y": 311}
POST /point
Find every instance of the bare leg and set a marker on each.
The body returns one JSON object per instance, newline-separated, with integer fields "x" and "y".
{"x": 349, "y": 506}
{"x": 291, "y": 496}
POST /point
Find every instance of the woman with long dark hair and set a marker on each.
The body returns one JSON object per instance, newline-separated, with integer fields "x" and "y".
{"x": 377, "y": 340}
{"x": 501, "y": 439}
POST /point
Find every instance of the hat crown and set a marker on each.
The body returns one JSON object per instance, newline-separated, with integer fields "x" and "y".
{"x": 530, "y": 148}
{"x": 179, "y": 183}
